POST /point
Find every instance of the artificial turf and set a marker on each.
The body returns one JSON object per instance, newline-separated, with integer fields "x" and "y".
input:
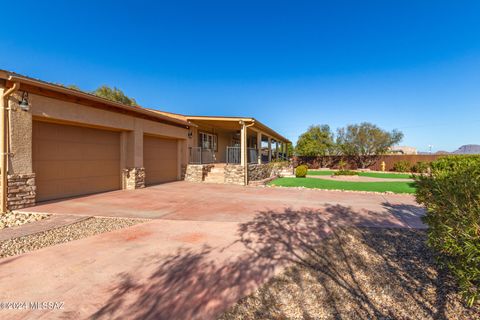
{"x": 385, "y": 175}
{"x": 314, "y": 183}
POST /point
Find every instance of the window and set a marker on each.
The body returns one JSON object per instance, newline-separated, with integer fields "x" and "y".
{"x": 208, "y": 141}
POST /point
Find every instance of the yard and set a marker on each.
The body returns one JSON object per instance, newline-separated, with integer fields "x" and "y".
{"x": 315, "y": 182}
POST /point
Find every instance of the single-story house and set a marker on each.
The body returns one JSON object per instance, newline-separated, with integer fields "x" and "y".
{"x": 58, "y": 142}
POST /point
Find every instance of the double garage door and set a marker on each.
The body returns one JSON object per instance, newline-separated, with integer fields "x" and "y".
{"x": 71, "y": 160}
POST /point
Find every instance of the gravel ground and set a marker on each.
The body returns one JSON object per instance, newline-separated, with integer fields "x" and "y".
{"x": 83, "y": 229}
{"x": 13, "y": 219}
{"x": 360, "y": 273}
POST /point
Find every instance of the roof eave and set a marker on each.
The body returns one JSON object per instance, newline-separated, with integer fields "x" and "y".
{"x": 21, "y": 79}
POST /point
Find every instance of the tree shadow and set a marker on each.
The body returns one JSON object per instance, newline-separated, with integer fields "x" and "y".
{"x": 333, "y": 264}
{"x": 410, "y": 215}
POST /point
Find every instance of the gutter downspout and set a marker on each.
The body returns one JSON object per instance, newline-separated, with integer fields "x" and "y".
{"x": 4, "y": 134}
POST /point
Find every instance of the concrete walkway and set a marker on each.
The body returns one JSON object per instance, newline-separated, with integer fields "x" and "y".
{"x": 209, "y": 246}
{"x": 52, "y": 222}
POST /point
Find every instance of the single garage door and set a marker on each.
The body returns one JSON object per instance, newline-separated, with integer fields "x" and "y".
{"x": 71, "y": 161}
{"x": 159, "y": 159}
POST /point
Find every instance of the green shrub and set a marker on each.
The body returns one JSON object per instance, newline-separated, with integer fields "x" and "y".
{"x": 401, "y": 166}
{"x": 345, "y": 173}
{"x": 301, "y": 171}
{"x": 342, "y": 164}
{"x": 451, "y": 195}
{"x": 421, "y": 167}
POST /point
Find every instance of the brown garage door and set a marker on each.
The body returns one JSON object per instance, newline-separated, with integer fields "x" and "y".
{"x": 71, "y": 161}
{"x": 159, "y": 159}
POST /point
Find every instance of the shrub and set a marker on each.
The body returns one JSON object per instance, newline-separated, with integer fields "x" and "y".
{"x": 345, "y": 173}
{"x": 301, "y": 171}
{"x": 342, "y": 164}
{"x": 451, "y": 195}
{"x": 421, "y": 167}
{"x": 401, "y": 166}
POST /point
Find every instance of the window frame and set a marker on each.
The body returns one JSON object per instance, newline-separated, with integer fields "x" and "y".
{"x": 214, "y": 140}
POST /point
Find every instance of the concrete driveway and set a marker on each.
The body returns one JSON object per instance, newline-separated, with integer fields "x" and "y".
{"x": 207, "y": 246}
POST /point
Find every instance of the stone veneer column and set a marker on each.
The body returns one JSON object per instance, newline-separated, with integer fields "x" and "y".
{"x": 133, "y": 178}
{"x": 20, "y": 191}
{"x": 235, "y": 174}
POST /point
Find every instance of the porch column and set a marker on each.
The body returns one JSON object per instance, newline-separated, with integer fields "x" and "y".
{"x": 243, "y": 145}
{"x": 259, "y": 148}
{"x": 269, "y": 149}
{"x": 276, "y": 149}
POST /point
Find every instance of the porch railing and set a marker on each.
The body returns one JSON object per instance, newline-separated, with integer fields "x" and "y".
{"x": 233, "y": 155}
{"x": 198, "y": 155}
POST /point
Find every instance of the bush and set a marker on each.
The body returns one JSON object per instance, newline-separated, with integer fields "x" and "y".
{"x": 421, "y": 167}
{"x": 345, "y": 173}
{"x": 401, "y": 166}
{"x": 451, "y": 195}
{"x": 301, "y": 171}
{"x": 342, "y": 164}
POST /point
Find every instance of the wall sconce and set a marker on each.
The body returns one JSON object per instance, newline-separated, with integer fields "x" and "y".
{"x": 24, "y": 102}
{"x": 190, "y": 134}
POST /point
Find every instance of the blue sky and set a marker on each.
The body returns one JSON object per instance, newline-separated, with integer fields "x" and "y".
{"x": 410, "y": 65}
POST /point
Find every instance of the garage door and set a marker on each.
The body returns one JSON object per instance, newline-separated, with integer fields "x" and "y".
{"x": 71, "y": 161}
{"x": 160, "y": 160}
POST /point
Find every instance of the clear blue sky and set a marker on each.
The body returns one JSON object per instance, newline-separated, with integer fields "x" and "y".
{"x": 411, "y": 65}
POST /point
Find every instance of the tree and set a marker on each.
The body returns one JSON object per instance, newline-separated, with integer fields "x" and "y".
{"x": 366, "y": 142}
{"x": 114, "y": 94}
{"x": 316, "y": 141}
{"x": 74, "y": 87}
{"x": 290, "y": 149}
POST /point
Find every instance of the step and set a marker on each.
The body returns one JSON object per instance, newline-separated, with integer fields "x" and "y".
{"x": 214, "y": 180}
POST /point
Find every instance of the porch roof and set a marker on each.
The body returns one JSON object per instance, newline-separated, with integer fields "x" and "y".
{"x": 229, "y": 123}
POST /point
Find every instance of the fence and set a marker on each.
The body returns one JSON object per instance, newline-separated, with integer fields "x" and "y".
{"x": 334, "y": 161}
{"x": 199, "y": 155}
{"x": 234, "y": 155}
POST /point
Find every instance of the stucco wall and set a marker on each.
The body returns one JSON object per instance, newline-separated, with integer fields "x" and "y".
{"x": 224, "y": 139}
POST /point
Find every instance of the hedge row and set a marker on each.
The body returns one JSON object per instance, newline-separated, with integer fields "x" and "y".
{"x": 451, "y": 195}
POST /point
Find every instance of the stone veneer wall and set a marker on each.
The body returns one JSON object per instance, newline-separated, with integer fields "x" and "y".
{"x": 21, "y": 191}
{"x": 259, "y": 172}
{"x": 134, "y": 178}
{"x": 234, "y": 174}
{"x": 266, "y": 172}
{"x": 196, "y": 172}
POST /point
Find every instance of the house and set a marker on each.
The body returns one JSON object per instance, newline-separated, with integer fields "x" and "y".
{"x": 58, "y": 142}
{"x": 403, "y": 150}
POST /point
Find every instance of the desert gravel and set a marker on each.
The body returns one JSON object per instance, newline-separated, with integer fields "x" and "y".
{"x": 83, "y": 229}
{"x": 14, "y": 219}
{"x": 360, "y": 273}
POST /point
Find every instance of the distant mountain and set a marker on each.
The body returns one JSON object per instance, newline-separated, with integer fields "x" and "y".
{"x": 468, "y": 149}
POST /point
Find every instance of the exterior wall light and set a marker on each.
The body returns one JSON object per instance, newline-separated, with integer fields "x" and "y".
{"x": 24, "y": 102}
{"x": 190, "y": 134}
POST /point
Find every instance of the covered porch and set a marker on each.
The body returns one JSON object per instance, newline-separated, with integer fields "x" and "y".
{"x": 234, "y": 140}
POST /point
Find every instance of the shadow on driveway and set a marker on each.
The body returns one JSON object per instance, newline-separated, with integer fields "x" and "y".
{"x": 200, "y": 285}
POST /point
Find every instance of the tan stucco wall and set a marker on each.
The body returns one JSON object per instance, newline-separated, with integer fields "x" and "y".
{"x": 224, "y": 139}
{"x": 20, "y": 161}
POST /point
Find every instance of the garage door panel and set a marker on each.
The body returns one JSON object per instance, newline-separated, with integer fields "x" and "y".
{"x": 71, "y": 161}
{"x": 160, "y": 160}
